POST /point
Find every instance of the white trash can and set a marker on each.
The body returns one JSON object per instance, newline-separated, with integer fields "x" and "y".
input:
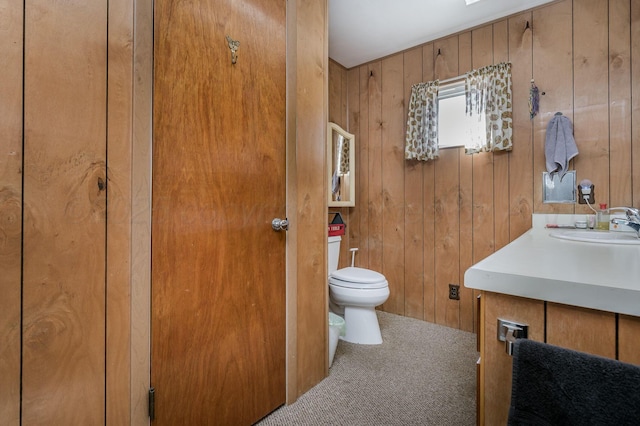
{"x": 336, "y": 329}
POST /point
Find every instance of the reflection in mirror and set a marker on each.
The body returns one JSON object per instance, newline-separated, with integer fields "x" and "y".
{"x": 559, "y": 190}
{"x": 341, "y": 155}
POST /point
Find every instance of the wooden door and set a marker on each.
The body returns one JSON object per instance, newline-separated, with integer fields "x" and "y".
{"x": 218, "y": 279}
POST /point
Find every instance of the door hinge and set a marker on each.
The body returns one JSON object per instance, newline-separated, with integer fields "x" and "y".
{"x": 152, "y": 403}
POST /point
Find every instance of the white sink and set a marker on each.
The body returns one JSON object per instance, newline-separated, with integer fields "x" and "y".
{"x": 591, "y": 236}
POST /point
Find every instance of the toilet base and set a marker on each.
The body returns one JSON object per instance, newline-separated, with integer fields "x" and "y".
{"x": 361, "y": 326}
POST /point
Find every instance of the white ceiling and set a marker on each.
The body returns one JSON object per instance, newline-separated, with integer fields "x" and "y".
{"x": 364, "y": 30}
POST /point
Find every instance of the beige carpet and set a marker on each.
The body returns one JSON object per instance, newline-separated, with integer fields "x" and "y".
{"x": 422, "y": 374}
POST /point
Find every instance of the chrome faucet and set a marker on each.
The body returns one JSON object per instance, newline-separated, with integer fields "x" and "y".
{"x": 632, "y": 220}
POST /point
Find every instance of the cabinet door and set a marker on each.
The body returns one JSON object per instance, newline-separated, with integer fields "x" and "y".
{"x": 582, "y": 329}
{"x": 629, "y": 339}
{"x": 496, "y": 363}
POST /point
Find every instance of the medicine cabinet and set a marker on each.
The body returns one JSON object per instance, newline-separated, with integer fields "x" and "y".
{"x": 341, "y": 171}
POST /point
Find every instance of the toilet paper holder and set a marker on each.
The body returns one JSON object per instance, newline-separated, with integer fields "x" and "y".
{"x": 509, "y": 331}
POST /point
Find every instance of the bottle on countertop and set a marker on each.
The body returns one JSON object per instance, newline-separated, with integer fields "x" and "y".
{"x": 602, "y": 220}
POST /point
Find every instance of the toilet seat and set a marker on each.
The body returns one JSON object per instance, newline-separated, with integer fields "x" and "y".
{"x": 353, "y": 277}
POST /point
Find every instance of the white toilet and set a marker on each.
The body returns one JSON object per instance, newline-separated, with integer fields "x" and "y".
{"x": 354, "y": 293}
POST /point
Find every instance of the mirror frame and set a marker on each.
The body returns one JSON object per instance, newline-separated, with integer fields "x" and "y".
{"x": 351, "y": 139}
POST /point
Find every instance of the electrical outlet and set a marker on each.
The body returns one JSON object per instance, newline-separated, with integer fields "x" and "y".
{"x": 454, "y": 292}
{"x": 581, "y": 199}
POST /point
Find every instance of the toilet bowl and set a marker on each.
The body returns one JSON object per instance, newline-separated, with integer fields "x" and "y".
{"x": 354, "y": 293}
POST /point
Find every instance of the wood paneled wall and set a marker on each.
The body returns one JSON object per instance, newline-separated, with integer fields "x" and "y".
{"x": 66, "y": 106}
{"x": 11, "y": 158}
{"x": 107, "y": 129}
{"x": 307, "y": 289}
{"x": 422, "y": 224}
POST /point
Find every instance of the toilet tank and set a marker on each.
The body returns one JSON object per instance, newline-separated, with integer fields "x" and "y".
{"x": 333, "y": 254}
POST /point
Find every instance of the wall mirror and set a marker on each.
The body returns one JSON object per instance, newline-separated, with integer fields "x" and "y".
{"x": 342, "y": 161}
{"x": 556, "y": 190}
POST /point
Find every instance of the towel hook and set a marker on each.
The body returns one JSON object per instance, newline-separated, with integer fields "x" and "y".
{"x": 233, "y": 45}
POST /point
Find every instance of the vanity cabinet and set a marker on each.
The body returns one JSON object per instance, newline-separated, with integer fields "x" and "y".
{"x": 582, "y": 329}
{"x": 576, "y": 295}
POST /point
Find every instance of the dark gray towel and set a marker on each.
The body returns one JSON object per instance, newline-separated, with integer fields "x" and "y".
{"x": 557, "y": 386}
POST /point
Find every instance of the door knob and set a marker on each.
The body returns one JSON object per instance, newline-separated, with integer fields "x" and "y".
{"x": 280, "y": 224}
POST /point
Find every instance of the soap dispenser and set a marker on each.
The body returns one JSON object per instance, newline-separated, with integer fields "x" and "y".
{"x": 602, "y": 220}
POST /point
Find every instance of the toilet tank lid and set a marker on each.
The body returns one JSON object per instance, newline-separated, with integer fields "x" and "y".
{"x": 358, "y": 275}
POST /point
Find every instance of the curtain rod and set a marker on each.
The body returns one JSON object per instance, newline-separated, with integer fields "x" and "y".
{"x": 460, "y": 77}
{"x": 452, "y": 79}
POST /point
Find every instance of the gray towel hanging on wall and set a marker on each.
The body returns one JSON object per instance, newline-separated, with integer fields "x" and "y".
{"x": 559, "y": 145}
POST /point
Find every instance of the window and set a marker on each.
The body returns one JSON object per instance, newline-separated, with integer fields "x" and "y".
{"x": 455, "y": 127}
{"x": 437, "y": 114}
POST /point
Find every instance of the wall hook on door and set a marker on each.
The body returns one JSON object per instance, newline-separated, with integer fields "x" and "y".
{"x": 233, "y": 45}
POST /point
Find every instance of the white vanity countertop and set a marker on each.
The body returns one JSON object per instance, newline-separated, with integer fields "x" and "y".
{"x": 590, "y": 275}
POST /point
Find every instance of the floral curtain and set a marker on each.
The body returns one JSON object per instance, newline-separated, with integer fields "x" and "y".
{"x": 422, "y": 124}
{"x": 488, "y": 94}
